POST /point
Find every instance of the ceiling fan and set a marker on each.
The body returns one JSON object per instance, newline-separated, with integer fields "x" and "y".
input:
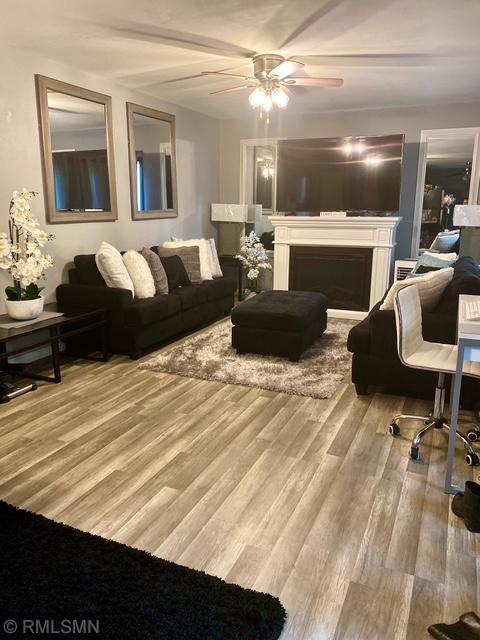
{"x": 272, "y": 81}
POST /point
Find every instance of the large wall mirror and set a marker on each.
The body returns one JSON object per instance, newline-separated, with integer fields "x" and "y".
{"x": 448, "y": 174}
{"x": 153, "y": 183}
{"x": 77, "y": 150}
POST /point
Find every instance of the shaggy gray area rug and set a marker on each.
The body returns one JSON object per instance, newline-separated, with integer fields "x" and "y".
{"x": 210, "y": 356}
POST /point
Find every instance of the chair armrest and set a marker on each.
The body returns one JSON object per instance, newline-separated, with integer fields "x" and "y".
{"x": 78, "y": 298}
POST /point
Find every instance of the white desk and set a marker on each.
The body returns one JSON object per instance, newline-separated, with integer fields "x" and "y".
{"x": 468, "y": 341}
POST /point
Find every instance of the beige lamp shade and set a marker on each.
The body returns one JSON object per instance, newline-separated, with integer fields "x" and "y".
{"x": 229, "y": 213}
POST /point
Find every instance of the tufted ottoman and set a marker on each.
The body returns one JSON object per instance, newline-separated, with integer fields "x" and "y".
{"x": 279, "y": 323}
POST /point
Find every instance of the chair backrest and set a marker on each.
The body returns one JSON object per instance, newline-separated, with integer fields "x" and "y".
{"x": 408, "y": 316}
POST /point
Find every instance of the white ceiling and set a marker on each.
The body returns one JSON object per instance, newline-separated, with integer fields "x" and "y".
{"x": 390, "y": 52}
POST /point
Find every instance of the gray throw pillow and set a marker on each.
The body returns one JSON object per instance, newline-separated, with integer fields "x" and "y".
{"x": 190, "y": 257}
{"x": 158, "y": 272}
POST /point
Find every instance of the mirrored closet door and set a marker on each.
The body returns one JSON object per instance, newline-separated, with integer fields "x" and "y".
{"x": 448, "y": 174}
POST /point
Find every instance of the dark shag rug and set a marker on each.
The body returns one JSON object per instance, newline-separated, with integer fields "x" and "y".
{"x": 57, "y": 575}
{"x": 209, "y": 355}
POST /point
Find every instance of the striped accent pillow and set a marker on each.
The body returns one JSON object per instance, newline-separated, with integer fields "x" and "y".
{"x": 157, "y": 270}
{"x": 190, "y": 257}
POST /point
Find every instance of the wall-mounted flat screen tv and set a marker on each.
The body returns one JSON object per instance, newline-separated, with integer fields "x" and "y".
{"x": 357, "y": 174}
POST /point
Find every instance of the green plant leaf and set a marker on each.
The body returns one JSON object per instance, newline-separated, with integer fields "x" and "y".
{"x": 32, "y": 291}
{"x": 13, "y": 293}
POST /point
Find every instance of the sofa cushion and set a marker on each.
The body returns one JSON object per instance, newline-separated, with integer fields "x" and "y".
{"x": 281, "y": 310}
{"x": 157, "y": 271}
{"x": 86, "y": 271}
{"x": 359, "y": 337}
{"x": 140, "y": 273}
{"x": 466, "y": 280}
{"x": 190, "y": 257}
{"x": 146, "y": 311}
{"x": 191, "y": 296}
{"x": 176, "y": 273}
{"x": 430, "y": 288}
{"x": 218, "y": 288}
{"x": 205, "y": 253}
{"x": 466, "y": 265}
{"x": 110, "y": 264}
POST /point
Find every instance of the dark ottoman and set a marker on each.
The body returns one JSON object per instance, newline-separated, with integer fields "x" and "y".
{"x": 279, "y": 323}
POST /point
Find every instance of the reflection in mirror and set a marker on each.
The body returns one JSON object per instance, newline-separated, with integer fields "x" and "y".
{"x": 77, "y": 149}
{"x": 152, "y": 163}
{"x": 79, "y": 152}
{"x": 264, "y": 178}
{"x": 448, "y": 172}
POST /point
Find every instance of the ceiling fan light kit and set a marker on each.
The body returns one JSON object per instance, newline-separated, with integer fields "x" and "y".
{"x": 272, "y": 76}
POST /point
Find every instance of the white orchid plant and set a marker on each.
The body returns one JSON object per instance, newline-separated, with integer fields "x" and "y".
{"x": 254, "y": 259}
{"x": 20, "y": 249}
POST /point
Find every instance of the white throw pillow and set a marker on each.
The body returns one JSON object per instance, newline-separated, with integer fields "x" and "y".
{"x": 110, "y": 264}
{"x": 448, "y": 257}
{"x": 445, "y": 240}
{"x": 204, "y": 250}
{"x": 430, "y": 288}
{"x": 139, "y": 272}
{"x": 216, "y": 268}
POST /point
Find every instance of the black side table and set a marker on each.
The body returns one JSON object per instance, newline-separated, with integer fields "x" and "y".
{"x": 232, "y": 267}
{"x": 58, "y": 328}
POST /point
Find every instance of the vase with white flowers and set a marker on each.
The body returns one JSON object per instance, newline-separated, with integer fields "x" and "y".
{"x": 21, "y": 256}
{"x": 254, "y": 259}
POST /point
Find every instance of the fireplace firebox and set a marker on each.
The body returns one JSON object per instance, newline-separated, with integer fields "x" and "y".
{"x": 343, "y": 274}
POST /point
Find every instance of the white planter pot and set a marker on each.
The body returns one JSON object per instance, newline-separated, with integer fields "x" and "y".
{"x": 24, "y": 309}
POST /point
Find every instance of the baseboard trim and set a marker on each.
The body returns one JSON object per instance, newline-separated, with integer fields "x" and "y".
{"x": 347, "y": 314}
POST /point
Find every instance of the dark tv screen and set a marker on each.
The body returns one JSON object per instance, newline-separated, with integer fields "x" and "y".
{"x": 339, "y": 174}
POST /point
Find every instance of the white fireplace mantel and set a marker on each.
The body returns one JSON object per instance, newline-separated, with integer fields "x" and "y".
{"x": 377, "y": 233}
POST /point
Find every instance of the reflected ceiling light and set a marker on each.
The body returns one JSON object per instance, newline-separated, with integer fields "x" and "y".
{"x": 360, "y": 147}
{"x": 373, "y": 161}
{"x": 348, "y": 148}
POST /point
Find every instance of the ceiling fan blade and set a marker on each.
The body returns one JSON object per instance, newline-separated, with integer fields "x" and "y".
{"x": 229, "y": 75}
{"x": 316, "y": 82}
{"x": 369, "y": 60}
{"x": 285, "y": 68}
{"x": 243, "y": 86}
{"x": 184, "y": 40}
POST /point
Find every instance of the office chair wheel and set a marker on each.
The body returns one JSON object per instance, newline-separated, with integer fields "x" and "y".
{"x": 394, "y": 429}
{"x": 473, "y": 435}
{"x": 415, "y": 453}
{"x": 472, "y": 459}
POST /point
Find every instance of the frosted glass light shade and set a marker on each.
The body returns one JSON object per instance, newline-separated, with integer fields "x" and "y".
{"x": 229, "y": 213}
{"x": 466, "y": 215}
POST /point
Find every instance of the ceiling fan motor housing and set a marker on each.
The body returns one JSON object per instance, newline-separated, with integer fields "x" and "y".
{"x": 264, "y": 63}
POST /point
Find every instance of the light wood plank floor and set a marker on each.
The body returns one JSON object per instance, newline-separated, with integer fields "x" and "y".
{"x": 307, "y": 499}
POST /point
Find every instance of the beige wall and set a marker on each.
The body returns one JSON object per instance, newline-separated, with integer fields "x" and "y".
{"x": 409, "y": 121}
{"x": 197, "y": 164}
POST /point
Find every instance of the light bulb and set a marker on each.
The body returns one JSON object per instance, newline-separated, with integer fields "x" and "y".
{"x": 257, "y": 97}
{"x": 360, "y": 147}
{"x": 347, "y": 148}
{"x": 280, "y": 97}
{"x": 267, "y": 103}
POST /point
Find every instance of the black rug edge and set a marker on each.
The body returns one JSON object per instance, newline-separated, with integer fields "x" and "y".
{"x": 32, "y": 514}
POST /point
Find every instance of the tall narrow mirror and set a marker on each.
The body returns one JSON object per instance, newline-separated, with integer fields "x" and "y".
{"x": 153, "y": 185}
{"x": 78, "y": 156}
{"x": 264, "y": 178}
{"x": 448, "y": 175}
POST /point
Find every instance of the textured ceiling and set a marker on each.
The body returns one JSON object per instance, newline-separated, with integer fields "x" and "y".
{"x": 390, "y": 52}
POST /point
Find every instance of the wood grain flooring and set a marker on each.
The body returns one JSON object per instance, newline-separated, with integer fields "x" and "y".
{"x": 307, "y": 499}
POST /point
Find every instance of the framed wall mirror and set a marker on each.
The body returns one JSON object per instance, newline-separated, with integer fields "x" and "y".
{"x": 77, "y": 152}
{"x": 153, "y": 181}
{"x": 448, "y": 174}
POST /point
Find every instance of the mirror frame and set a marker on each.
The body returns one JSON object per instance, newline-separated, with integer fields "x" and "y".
{"x": 474, "y": 196}
{"x": 133, "y": 109}
{"x": 43, "y": 85}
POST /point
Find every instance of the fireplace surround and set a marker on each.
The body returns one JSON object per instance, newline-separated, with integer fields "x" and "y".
{"x": 351, "y": 258}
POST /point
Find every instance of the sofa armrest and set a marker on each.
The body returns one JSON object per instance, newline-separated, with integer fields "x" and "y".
{"x": 78, "y": 298}
{"x": 383, "y": 333}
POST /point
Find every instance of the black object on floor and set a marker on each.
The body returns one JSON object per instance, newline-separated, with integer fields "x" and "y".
{"x": 467, "y": 628}
{"x": 467, "y": 506}
{"x": 51, "y": 572}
